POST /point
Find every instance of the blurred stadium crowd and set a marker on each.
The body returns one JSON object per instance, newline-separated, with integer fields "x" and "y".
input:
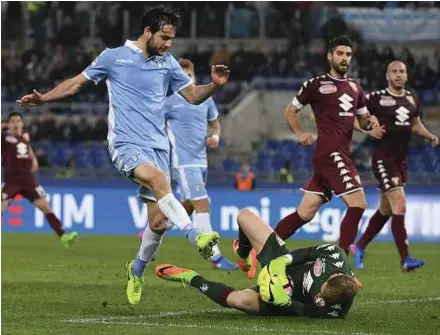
{"x": 61, "y": 46}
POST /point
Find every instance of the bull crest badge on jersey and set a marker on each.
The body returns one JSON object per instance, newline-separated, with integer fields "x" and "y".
{"x": 353, "y": 86}
{"x": 411, "y": 100}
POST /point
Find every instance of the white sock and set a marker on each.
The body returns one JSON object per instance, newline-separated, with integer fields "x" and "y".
{"x": 203, "y": 222}
{"x": 150, "y": 243}
{"x": 175, "y": 212}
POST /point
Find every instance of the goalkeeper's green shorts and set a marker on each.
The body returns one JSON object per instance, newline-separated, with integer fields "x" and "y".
{"x": 273, "y": 248}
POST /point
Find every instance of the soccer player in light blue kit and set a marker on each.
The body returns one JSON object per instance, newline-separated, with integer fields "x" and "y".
{"x": 138, "y": 76}
{"x": 187, "y": 127}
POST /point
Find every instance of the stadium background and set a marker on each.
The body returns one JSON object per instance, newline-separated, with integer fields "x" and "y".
{"x": 271, "y": 48}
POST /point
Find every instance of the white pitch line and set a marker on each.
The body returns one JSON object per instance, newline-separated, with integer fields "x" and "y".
{"x": 217, "y": 310}
{"x": 398, "y": 301}
{"x": 149, "y": 316}
{"x": 232, "y": 328}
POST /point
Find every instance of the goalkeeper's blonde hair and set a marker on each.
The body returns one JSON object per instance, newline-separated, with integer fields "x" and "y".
{"x": 339, "y": 289}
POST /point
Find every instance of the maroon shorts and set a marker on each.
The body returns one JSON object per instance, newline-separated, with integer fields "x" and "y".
{"x": 333, "y": 173}
{"x": 31, "y": 192}
{"x": 390, "y": 172}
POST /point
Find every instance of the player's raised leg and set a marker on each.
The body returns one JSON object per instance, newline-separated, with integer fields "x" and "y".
{"x": 253, "y": 233}
{"x": 306, "y": 211}
{"x": 397, "y": 200}
{"x": 356, "y": 204}
{"x": 375, "y": 225}
{"x": 244, "y": 300}
{"x": 155, "y": 180}
{"x": 38, "y": 199}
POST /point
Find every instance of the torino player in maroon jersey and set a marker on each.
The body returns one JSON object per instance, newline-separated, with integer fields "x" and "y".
{"x": 20, "y": 163}
{"x": 336, "y": 100}
{"x": 398, "y": 111}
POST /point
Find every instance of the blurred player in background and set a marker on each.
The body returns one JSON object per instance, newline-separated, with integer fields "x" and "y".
{"x": 20, "y": 164}
{"x": 315, "y": 281}
{"x": 187, "y": 126}
{"x": 398, "y": 110}
{"x": 336, "y": 100}
{"x": 138, "y": 76}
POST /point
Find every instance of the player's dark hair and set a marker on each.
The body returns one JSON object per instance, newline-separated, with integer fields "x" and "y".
{"x": 12, "y": 114}
{"x": 157, "y": 17}
{"x": 343, "y": 40}
{"x": 339, "y": 289}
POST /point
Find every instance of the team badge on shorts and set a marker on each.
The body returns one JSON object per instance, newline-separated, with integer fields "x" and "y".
{"x": 358, "y": 179}
{"x": 395, "y": 181}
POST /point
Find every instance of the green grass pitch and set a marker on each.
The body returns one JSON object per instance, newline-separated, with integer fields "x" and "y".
{"x": 47, "y": 289}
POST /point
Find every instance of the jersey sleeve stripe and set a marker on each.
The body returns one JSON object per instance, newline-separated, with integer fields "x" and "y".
{"x": 86, "y": 75}
{"x": 362, "y": 111}
{"x": 184, "y": 86}
{"x": 297, "y": 104}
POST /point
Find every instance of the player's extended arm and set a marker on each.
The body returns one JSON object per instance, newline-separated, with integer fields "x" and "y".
{"x": 367, "y": 121}
{"x": 213, "y": 140}
{"x": 297, "y": 308}
{"x": 377, "y": 132}
{"x": 35, "y": 166}
{"x": 419, "y": 129}
{"x": 66, "y": 88}
{"x": 196, "y": 94}
{"x": 291, "y": 118}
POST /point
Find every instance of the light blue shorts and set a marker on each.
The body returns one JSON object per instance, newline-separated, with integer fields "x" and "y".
{"x": 191, "y": 182}
{"x": 127, "y": 157}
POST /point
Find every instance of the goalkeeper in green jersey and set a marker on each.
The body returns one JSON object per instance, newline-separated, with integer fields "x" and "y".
{"x": 315, "y": 281}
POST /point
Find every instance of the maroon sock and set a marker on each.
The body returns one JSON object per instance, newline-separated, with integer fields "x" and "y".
{"x": 289, "y": 225}
{"x": 399, "y": 233}
{"x": 349, "y": 227}
{"x": 375, "y": 225}
{"x": 54, "y": 223}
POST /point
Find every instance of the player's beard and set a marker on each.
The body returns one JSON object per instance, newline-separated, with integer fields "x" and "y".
{"x": 398, "y": 85}
{"x": 151, "y": 49}
{"x": 338, "y": 68}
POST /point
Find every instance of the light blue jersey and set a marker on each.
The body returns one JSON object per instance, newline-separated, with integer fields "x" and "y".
{"x": 187, "y": 127}
{"x": 137, "y": 88}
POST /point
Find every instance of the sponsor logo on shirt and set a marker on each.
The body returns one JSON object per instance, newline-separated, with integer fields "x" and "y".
{"x": 11, "y": 139}
{"x": 328, "y": 89}
{"x": 120, "y": 60}
{"x": 318, "y": 267}
{"x": 388, "y": 102}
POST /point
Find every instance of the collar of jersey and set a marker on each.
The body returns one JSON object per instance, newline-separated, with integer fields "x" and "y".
{"x": 395, "y": 95}
{"x": 132, "y": 46}
{"x": 338, "y": 79}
